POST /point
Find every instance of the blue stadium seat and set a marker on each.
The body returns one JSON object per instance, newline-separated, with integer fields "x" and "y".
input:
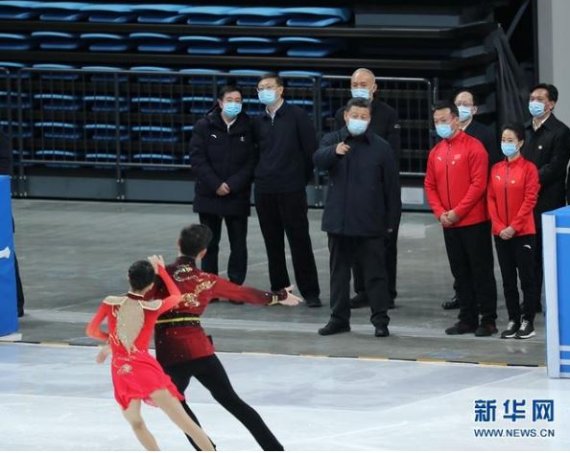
{"x": 316, "y": 17}
{"x": 254, "y": 45}
{"x": 204, "y": 45}
{"x": 150, "y": 104}
{"x": 13, "y": 69}
{"x": 105, "y": 73}
{"x": 159, "y": 13}
{"x": 198, "y": 105}
{"x": 302, "y": 78}
{"x": 156, "y": 134}
{"x": 208, "y": 15}
{"x": 164, "y": 78}
{"x": 105, "y": 42}
{"x": 109, "y": 14}
{"x": 305, "y": 47}
{"x": 56, "y": 71}
{"x": 14, "y": 42}
{"x": 204, "y": 76}
{"x": 104, "y": 103}
{"x": 56, "y": 154}
{"x": 11, "y": 100}
{"x": 58, "y": 102}
{"x": 258, "y": 17}
{"x": 53, "y": 40}
{"x": 99, "y": 156}
{"x": 58, "y": 130}
{"x": 19, "y": 10}
{"x": 154, "y": 42}
{"x": 154, "y": 158}
{"x": 248, "y": 77}
{"x": 61, "y": 11}
{"x": 107, "y": 132}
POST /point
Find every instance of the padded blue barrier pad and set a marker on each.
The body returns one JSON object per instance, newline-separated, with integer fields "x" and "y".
{"x": 109, "y": 14}
{"x": 204, "y": 45}
{"x": 254, "y": 45}
{"x": 316, "y": 17}
{"x": 258, "y": 17}
{"x": 61, "y": 11}
{"x": 105, "y": 42}
{"x": 159, "y": 13}
{"x": 14, "y": 42}
{"x": 208, "y": 15}
{"x": 154, "y": 42}
{"x": 53, "y": 40}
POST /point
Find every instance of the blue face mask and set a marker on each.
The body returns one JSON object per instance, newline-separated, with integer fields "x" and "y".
{"x": 267, "y": 97}
{"x": 536, "y": 108}
{"x": 444, "y": 130}
{"x": 232, "y": 109}
{"x": 509, "y": 149}
{"x": 360, "y": 93}
{"x": 464, "y": 113}
{"x": 356, "y": 126}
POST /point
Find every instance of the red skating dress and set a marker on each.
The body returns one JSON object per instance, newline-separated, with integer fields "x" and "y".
{"x": 135, "y": 373}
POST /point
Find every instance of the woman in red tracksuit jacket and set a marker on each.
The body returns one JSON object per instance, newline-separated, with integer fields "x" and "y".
{"x": 512, "y": 194}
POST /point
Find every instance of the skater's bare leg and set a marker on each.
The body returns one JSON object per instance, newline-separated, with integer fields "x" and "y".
{"x": 173, "y": 408}
{"x": 133, "y": 416}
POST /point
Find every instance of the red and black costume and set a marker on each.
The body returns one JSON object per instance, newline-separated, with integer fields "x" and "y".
{"x": 130, "y": 318}
{"x": 184, "y": 350}
{"x": 512, "y": 196}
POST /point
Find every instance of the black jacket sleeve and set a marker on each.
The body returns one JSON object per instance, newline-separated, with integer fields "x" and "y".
{"x": 556, "y": 169}
{"x": 308, "y": 141}
{"x": 326, "y": 157}
{"x": 244, "y": 176}
{"x": 199, "y": 159}
{"x": 391, "y": 189}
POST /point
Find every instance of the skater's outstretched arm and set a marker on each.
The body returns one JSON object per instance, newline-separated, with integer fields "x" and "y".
{"x": 93, "y": 329}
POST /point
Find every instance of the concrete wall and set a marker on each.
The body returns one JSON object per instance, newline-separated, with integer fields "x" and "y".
{"x": 554, "y": 50}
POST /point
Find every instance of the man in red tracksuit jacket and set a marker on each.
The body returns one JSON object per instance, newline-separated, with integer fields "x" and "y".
{"x": 455, "y": 184}
{"x": 183, "y": 348}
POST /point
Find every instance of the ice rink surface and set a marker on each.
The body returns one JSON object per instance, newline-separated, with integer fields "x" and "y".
{"x": 57, "y": 398}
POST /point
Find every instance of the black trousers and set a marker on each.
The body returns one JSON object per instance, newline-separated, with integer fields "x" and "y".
{"x": 211, "y": 374}
{"x": 518, "y": 254}
{"x": 369, "y": 253}
{"x": 538, "y": 262}
{"x": 470, "y": 255}
{"x": 283, "y": 214}
{"x": 391, "y": 267}
{"x": 236, "y": 227}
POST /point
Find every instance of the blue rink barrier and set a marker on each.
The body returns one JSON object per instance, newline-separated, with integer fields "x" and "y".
{"x": 8, "y": 306}
{"x": 556, "y": 255}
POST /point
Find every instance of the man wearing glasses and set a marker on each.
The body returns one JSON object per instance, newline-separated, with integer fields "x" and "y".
{"x": 286, "y": 142}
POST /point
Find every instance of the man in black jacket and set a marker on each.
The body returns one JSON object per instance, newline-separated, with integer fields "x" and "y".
{"x": 222, "y": 155}
{"x": 286, "y": 141}
{"x": 6, "y": 169}
{"x": 547, "y": 144}
{"x": 363, "y": 207}
{"x": 467, "y": 105}
{"x": 383, "y": 122}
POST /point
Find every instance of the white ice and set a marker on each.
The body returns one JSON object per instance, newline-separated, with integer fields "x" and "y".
{"x": 57, "y": 398}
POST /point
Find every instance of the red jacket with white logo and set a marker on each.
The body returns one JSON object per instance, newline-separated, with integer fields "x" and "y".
{"x": 512, "y": 194}
{"x": 456, "y": 179}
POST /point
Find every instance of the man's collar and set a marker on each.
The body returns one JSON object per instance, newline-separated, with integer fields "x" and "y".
{"x": 537, "y": 125}
{"x": 276, "y": 111}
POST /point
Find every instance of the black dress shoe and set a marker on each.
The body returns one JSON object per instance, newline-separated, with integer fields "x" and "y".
{"x": 359, "y": 301}
{"x": 381, "y": 331}
{"x": 460, "y": 328}
{"x": 451, "y": 304}
{"x": 313, "y": 302}
{"x": 333, "y": 328}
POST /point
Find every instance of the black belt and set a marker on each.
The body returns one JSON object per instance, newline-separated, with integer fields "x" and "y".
{"x": 179, "y": 321}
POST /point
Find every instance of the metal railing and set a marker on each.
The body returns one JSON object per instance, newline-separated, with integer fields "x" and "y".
{"x": 117, "y": 120}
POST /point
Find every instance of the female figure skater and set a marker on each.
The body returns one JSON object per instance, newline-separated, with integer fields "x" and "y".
{"x": 136, "y": 374}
